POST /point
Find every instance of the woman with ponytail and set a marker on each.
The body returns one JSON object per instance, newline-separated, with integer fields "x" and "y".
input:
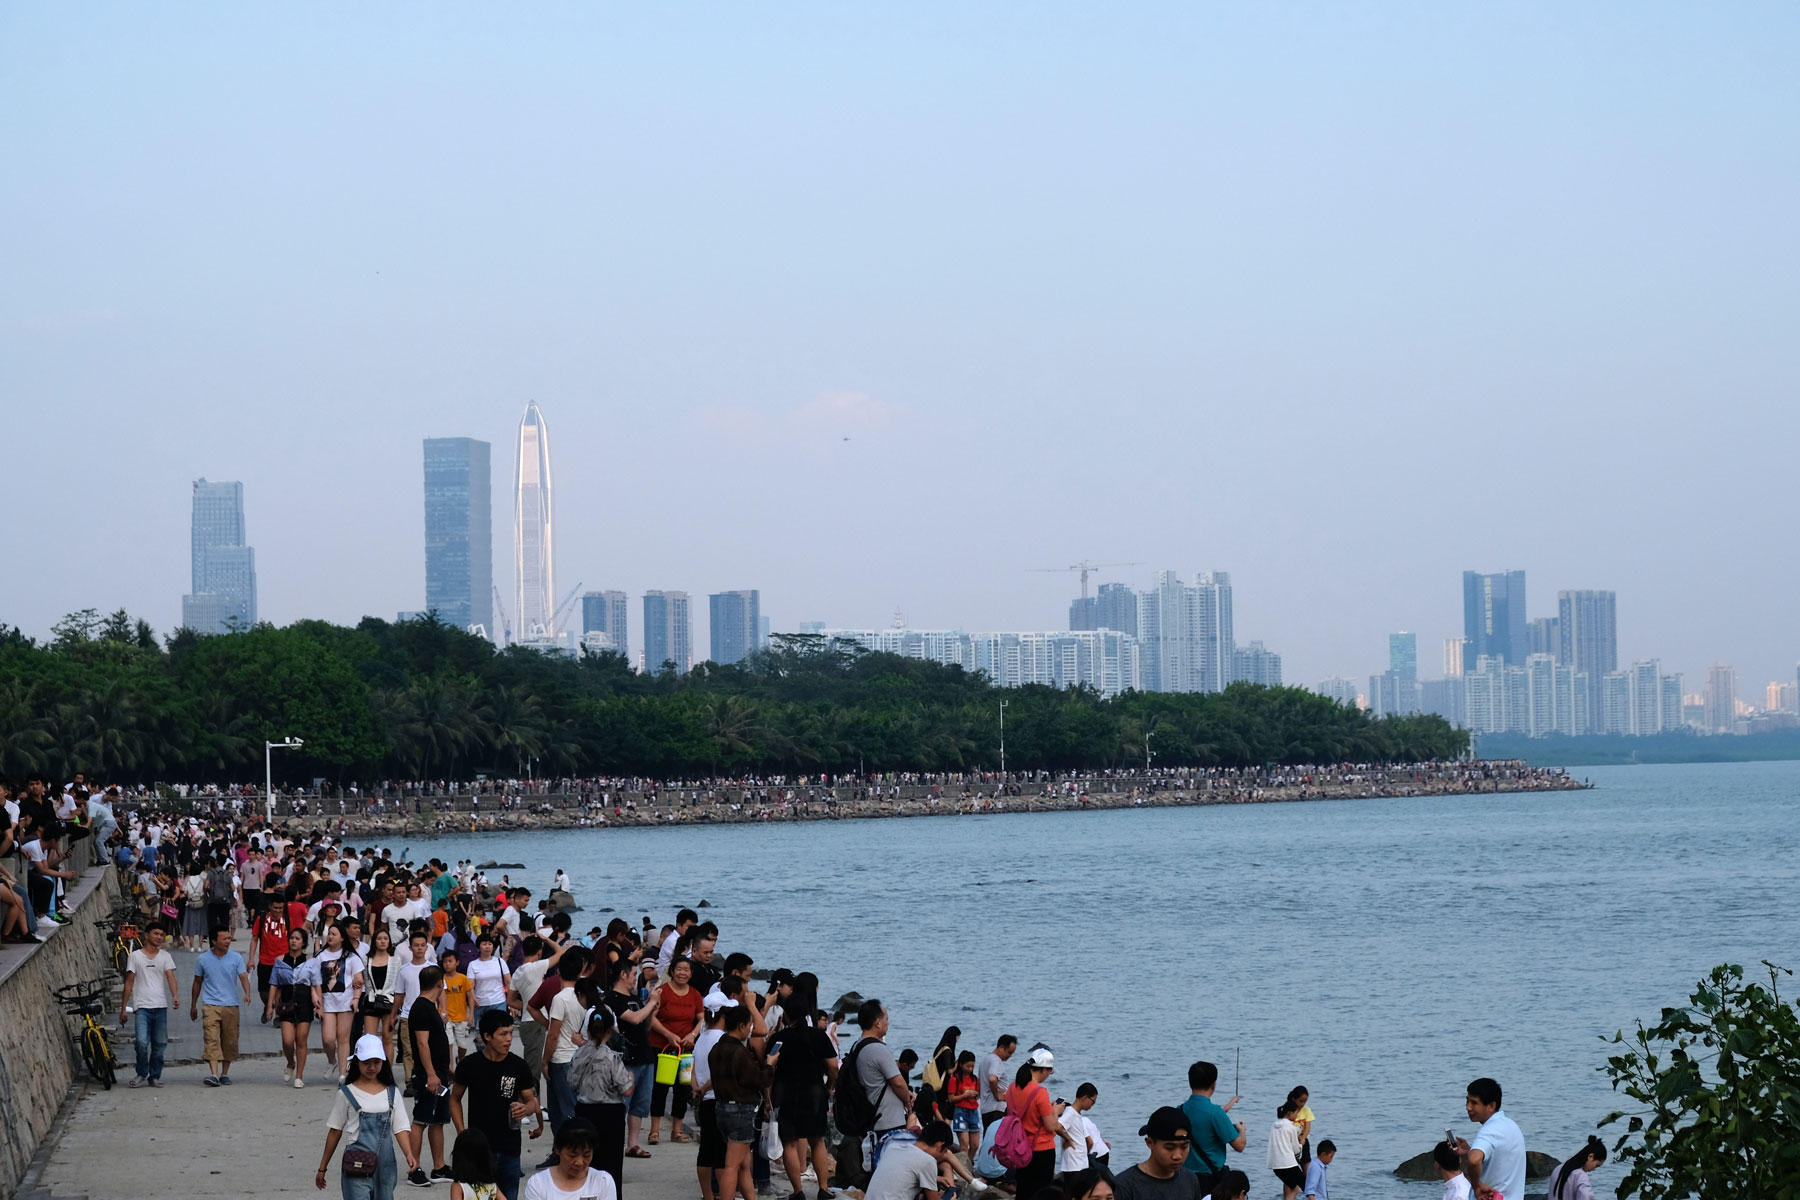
{"x": 1570, "y": 1181}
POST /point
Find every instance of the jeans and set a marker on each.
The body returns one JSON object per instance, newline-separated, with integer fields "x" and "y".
{"x": 562, "y": 1094}
{"x": 482, "y": 1010}
{"x": 31, "y": 917}
{"x": 150, "y": 1026}
{"x": 643, "y": 1083}
{"x": 507, "y": 1173}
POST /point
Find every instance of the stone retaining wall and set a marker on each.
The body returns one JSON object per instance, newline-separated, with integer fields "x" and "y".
{"x": 38, "y": 1059}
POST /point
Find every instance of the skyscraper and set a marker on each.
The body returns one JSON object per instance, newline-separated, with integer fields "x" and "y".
{"x": 666, "y": 632}
{"x": 1455, "y": 657}
{"x": 1587, "y": 632}
{"x": 1116, "y": 608}
{"x": 1721, "y": 699}
{"x": 1403, "y": 654}
{"x": 606, "y": 612}
{"x": 459, "y": 533}
{"x": 1255, "y": 664}
{"x": 1494, "y": 616}
{"x": 1083, "y": 614}
{"x": 534, "y": 541}
{"x": 736, "y": 622}
{"x": 223, "y": 568}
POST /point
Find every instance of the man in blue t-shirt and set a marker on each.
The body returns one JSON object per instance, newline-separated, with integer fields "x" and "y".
{"x": 220, "y": 978}
{"x": 1495, "y": 1160}
{"x": 1212, "y": 1131}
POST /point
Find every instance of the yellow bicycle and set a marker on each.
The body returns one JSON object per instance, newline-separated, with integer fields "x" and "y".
{"x": 88, "y": 1001}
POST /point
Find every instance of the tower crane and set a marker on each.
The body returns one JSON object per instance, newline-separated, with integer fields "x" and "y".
{"x": 504, "y": 625}
{"x": 1084, "y": 567}
{"x": 557, "y": 616}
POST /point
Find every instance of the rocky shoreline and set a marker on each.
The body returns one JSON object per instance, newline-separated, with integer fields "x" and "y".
{"x": 567, "y": 812}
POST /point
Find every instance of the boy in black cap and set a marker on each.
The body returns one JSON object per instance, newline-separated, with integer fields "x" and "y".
{"x": 1160, "y": 1176}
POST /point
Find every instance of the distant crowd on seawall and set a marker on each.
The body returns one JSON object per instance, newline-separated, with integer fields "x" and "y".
{"x": 455, "y": 806}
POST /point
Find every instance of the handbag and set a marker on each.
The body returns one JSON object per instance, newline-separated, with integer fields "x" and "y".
{"x": 359, "y": 1164}
{"x": 170, "y": 912}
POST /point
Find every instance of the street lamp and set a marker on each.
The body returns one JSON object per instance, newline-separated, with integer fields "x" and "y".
{"x": 269, "y": 748}
{"x": 1003, "y": 743}
{"x": 1148, "y": 734}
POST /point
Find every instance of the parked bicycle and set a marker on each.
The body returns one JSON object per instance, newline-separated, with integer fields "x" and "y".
{"x": 88, "y": 1001}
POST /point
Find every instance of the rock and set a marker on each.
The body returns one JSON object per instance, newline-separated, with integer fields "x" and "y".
{"x": 491, "y": 865}
{"x": 563, "y": 901}
{"x": 759, "y": 973}
{"x": 849, "y": 1002}
{"x": 1538, "y": 1165}
{"x": 703, "y": 904}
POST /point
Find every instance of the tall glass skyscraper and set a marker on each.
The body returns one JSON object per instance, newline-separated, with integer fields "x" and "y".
{"x": 605, "y": 612}
{"x": 1588, "y": 639}
{"x": 459, "y": 533}
{"x": 534, "y": 542}
{"x": 223, "y": 567}
{"x": 1494, "y": 621}
{"x": 667, "y": 637}
{"x": 736, "y": 625}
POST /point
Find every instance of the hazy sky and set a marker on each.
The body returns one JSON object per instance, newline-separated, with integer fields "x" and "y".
{"x": 1342, "y": 299}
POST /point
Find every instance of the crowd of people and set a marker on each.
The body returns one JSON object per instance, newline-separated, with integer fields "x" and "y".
{"x": 447, "y": 998}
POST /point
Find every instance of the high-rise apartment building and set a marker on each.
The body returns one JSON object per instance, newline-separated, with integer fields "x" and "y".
{"x": 1674, "y": 714}
{"x": 1185, "y": 633}
{"x": 1540, "y": 686}
{"x": 667, "y": 635}
{"x": 223, "y": 570}
{"x": 1455, "y": 657}
{"x": 1083, "y": 613}
{"x": 1545, "y": 636}
{"x": 736, "y": 623}
{"x": 1721, "y": 699}
{"x": 606, "y": 612}
{"x": 459, "y": 533}
{"x": 1494, "y": 621}
{"x": 1403, "y": 654}
{"x": 1116, "y": 608}
{"x": 1255, "y": 664}
{"x": 534, "y": 534}
{"x": 1338, "y": 688}
{"x": 1588, "y": 639}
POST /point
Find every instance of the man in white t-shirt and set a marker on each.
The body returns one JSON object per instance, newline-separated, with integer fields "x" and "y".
{"x": 418, "y": 957}
{"x": 665, "y": 954}
{"x": 151, "y": 989}
{"x": 539, "y": 957}
{"x": 565, "y": 1012}
{"x": 1449, "y": 1169}
{"x": 909, "y": 1170}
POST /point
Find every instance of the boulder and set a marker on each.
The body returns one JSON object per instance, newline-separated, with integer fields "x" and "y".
{"x": 849, "y": 1002}
{"x": 563, "y": 901}
{"x": 1538, "y": 1165}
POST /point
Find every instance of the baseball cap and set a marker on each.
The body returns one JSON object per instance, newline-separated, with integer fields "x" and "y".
{"x": 368, "y": 1046}
{"x": 1041, "y": 1058}
{"x": 1165, "y": 1125}
{"x": 715, "y": 1000}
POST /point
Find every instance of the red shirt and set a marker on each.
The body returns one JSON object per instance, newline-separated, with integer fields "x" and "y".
{"x": 272, "y": 937}
{"x": 677, "y": 1014}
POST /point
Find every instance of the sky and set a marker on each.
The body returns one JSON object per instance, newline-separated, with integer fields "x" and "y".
{"x": 879, "y": 308}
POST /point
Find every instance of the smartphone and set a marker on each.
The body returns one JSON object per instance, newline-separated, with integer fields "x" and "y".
{"x": 1449, "y": 1138}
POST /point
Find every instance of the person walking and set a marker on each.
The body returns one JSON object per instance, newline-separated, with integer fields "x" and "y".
{"x": 150, "y": 982}
{"x": 1211, "y": 1127}
{"x": 290, "y": 1002}
{"x": 568, "y": 1015}
{"x": 221, "y": 983}
{"x": 430, "y": 1055}
{"x": 369, "y": 1111}
{"x": 1029, "y": 1100}
{"x": 603, "y": 1085}
{"x": 381, "y": 984}
{"x": 501, "y": 1095}
{"x": 337, "y": 981}
{"x": 573, "y": 1177}
{"x": 489, "y": 977}
{"x": 1495, "y": 1160}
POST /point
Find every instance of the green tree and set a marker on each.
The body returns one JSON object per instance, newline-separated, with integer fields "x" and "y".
{"x": 1719, "y": 1082}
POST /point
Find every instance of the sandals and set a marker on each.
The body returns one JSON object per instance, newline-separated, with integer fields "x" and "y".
{"x": 678, "y": 1136}
{"x": 652, "y": 1138}
{"x": 637, "y": 1152}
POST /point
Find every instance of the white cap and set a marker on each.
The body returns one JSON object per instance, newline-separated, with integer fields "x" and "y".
{"x": 715, "y": 1000}
{"x": 368, "y": 1046}
{"x": 1041, "y": 1058}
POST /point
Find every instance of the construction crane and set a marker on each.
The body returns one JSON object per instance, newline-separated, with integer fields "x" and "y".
{"x": 1084, "y": 567}
{"x": 504, "y": 624}
{"x": 557, "y": 616}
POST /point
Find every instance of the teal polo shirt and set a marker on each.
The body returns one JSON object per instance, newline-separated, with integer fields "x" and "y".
{"x": 1212, "y": 1132}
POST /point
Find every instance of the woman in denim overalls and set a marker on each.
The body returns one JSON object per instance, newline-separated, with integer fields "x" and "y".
{"x": 371, "y": 1074}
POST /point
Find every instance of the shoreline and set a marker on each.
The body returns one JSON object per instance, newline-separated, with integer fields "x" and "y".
{"x": 561, "y": 812}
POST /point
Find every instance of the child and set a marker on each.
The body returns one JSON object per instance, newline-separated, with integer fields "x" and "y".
{"x": 472, "y": 1168}
{"x": 457, "y": 990}
{"x": 1449, "y": 1169}
{"x": 964, "y": 1096}
{"x": 1284, "y": 1150}
{"x": 1316, "y": 1186}
{"x": 1086, "y": 1096}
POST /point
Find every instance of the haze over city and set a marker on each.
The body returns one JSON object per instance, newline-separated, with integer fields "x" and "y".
{"x": 878, "y": 311}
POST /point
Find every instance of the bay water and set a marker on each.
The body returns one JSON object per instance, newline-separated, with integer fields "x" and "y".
{"x": 1382, "y": 952}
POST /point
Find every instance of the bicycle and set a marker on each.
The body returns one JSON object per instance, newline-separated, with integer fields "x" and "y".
{"x": 126, "y": 937}
{"x": 87, "y": 1001}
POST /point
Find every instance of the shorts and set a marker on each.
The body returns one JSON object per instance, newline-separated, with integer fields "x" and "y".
{"x": 462, "y": 1037}
{"x": 1290, "y": 1176}
{"x": 220, "y": 1023}
{"x": 737, "y": 1121}
{"x": 643, "y": 1082}
{"x": 427, "y": 1108}
{"x": 712, "y": 1145}
{"x": 965, "y": 1120}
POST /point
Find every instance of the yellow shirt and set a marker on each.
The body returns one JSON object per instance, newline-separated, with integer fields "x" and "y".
{"x": 456, "y": 996}
{"x": 1305, "y": 1114}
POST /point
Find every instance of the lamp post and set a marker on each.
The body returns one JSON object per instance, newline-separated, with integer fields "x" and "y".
{"x": 1003, "y": 743}
{"x": 1148, "y": 734}
{"x": 269, "y": 748}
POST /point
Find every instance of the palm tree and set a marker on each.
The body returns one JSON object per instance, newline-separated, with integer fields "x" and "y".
{"x": 512, "y": 722}
{"x": 730, "y": 723}
{"x": 430, "y": 723}
{"x": 25, "y": 737}
{"x": 109, "y": 731}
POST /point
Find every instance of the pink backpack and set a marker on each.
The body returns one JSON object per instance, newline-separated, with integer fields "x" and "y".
{"x": 1012, "y": 1145}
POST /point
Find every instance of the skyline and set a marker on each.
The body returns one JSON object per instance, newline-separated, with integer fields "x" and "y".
{"x": 1344, "y": 304}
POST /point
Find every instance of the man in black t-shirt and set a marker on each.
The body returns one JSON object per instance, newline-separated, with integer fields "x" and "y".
{"x": 502, "y": 1094}
{"x": 805, "y": 1074}
{"x": 430, "y": 1054}
{"x": 1161, "y": 1176}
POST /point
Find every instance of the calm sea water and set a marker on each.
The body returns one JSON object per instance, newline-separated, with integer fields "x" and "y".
{"x": 1381, "y": 952}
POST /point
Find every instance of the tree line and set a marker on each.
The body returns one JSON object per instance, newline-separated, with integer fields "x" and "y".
{"x": 420, "y": 699}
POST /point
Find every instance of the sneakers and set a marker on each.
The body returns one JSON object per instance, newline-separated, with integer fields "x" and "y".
{"x": 224, "y": 1081}
{"x": 978, "y": 1184}
{"x": 211, "y": 1081}
{"x": 287, "y": 1074}
{"x": 417, "y": 1178}
{"x": 299, "y": 1082}
{"x": 442, "y": 1174}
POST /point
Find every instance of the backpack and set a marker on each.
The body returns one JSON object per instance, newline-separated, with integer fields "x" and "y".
{"x": 1012, "y": 1145}
{"x": 218, "y": 885}
{"x": 852, "y": 1107}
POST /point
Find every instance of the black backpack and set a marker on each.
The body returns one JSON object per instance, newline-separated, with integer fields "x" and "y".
{"x": 852, "y": 1108}
{"x": 218, "y": 885}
